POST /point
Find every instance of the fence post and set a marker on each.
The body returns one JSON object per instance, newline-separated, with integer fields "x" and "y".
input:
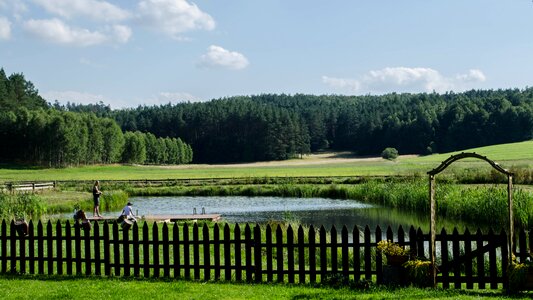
{"x": 77, "y": 245}
{"x": 22, "y": 253}
{"x": 136, "y": 246}
{"x": 492, "y": 260}
{"x": 334, "y": 246}
{"x": 505, "y": 259}
{"x": 290, "y": 254}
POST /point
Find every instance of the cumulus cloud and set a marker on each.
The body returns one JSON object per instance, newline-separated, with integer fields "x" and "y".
{"x": 218, "y": 57}
{"x": 16, "y": 7}
{"x": 173, "y": 17}
{"x": 403, "y": 79}
{"x": 5, "y": 29}
{"x": 56, "y": 31}
{"x": 93, "y": 9}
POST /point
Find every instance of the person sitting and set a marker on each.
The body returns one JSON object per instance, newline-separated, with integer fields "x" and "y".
{"x": 127, "y": 213}
{"x": 80, "y": 216}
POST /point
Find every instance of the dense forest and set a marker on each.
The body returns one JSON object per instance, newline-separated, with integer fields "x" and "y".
{"x": 266, "y": 127}
{"x": 256, "y": 128}
{"x": 34, "y": 132}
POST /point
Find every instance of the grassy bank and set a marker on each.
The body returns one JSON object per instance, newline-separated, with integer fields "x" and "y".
{"x": 35, "y": 287}
{"x": 516, "y": 156}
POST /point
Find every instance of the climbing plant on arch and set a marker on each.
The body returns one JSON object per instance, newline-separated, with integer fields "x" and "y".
{"x": 441, "y": 168}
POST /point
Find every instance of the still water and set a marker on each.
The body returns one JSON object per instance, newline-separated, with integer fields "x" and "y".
{"x": 310, "y": 211}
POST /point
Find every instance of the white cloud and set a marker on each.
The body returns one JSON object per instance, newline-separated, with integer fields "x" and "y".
{"x": 56, "y": 31}
{"x": 121, "y": 33}
{"x": 174, "y": 17}
{"x": 93, "y": 9}
{"x": 218, "y": 57}
{"x": 16, "y": 7}
{"x": 5, "y": 29}
{"x": 402, "y": 79}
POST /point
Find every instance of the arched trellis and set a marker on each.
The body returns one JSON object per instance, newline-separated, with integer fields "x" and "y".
{"x": 441, "y": 168}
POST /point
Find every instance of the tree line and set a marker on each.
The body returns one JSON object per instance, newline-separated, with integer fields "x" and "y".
{"x": 34, "y": 132}
{"x": 270, "y": 127}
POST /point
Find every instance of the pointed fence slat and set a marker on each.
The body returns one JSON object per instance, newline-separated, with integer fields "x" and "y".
{"x": 40, "y": 248}
{"x": 368, "y": 254}
{"x": 146, "y": 251}
{"x": 13, "y": 247}
{"x": 166, "y": 252}
{"x": 334, "y": 254}
{"x": 323, "y": 254}
{"x": 227, "y": 253}
{"x": 3, "y": 248}
{"x": 107, "y": 251}
{"x": 31, "y": 246}
{"x": 248, "y": 253}
{"x": 176, "y": 249}
{"x": 59, "y": 249}
{"x": 301, "y": 255}
{"x": 456, "y": 263}
{"x": 97, "y": 250}
{"x": 49, "y": 248}
{"x": 468, "y": 263}
{"x": 87, "y": 247}
{"x": 196, "y": 251}
{"x": 216, "y": 251}
{"x": 480, "y": 261}
{"x": 269, "y": 247}
{"x": 345, "y": 253}
{"x": 136, "y": 254}
{"x": 207, "y": 255}
{"x": 379, "y": 257}
{"x": 258, "y": 261}
{"x": 356, "y": 253}
{"x": 116, "y": 249}
{"x": 445, "y": 259}
{"x": 155, "y": 249}
{"x": 22, "y": 252}
{"x": 238, "y": 255}
{"x": 279, "y": 254}
{"x": 290, "y": 254}
{"x": 312, "y": 254}
{"x": 186, "y": 252}
{"x": 126, "y": 251}
{"x": 493, "y": 269}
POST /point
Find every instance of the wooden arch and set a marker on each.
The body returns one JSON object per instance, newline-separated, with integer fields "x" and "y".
{"x": 441, "y": 168}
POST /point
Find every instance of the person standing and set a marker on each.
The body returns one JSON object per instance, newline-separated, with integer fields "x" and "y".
{"x": 96, "y": 198}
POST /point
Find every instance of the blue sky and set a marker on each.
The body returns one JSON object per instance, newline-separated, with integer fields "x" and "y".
{"x": 133, "y": 52}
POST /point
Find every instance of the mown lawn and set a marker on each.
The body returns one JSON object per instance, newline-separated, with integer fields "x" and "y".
{"x": 509, "y": 155}
{"x": 30, "y": 287}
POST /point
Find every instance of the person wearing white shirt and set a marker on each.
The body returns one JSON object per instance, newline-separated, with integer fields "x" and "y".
{"x": 127, "y": 213}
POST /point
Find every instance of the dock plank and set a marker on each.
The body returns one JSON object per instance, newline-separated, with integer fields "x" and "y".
{"x": 168, "y": 218}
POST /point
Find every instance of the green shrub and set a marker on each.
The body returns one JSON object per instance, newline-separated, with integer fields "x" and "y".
{"x": 389, "y": 153}
{"x": 21, "y": 206}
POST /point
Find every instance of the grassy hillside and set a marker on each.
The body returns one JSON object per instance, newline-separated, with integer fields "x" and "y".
{"x": 508, "y": 155}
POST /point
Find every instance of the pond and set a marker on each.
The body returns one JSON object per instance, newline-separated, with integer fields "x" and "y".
{"x": 309, "y": 211}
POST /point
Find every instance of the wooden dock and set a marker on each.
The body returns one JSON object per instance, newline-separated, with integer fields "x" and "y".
{"x": 165, "y": 218}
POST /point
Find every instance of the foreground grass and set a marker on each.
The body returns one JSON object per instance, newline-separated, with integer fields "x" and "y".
{"x": 509, "y": 155}
{"x": 30, "y": 287}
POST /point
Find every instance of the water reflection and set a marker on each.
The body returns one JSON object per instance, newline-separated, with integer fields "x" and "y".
{"x": 309, "y": 211}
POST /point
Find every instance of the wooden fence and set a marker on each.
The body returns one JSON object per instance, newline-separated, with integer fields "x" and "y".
{"x": 28, "y": 186}
{"x": 252, "y": 253}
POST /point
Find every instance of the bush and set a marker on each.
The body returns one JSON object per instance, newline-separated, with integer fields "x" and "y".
{"x": 389, "y": 153}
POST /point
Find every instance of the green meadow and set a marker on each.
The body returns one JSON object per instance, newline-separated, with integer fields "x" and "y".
{"x": 515, "y": 155}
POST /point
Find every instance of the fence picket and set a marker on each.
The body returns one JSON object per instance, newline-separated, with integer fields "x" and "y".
{"x": 136, "y": 255}
{"x": 216, "y": 251}
{"x": 269, "y": 247}
{"x": 238, "y": 261}
{"x": 207, "y": 260}
{"x": 3, "y": 249}
{"x": 49, "y": 248}
{"x": 116, "y": 249}
{"x": 126, "y": 251}
{"x": 97, "y": 249}
{"x": 334, "y": 254}
{"x": 301, "y": 255}
{"x": 59, "y": 250}
{"x": 290, "y": 254}
{"x": 40, "y": 248}
{"x": 312, "y": 254}
{"x": 196, "y": 251}
{"x": 379, "y": 257}
{"x": 356, "y": 253}
{"x": 12, "y": 246}
{"x": 186, "y": 252}
{"x": 456, "y": 264}
{"x": 368, "y": 254}
{"x": 176, "y": 249}
{"x": 107, "y": 253}
{"x": 146, "y": 251}
{"x": 227, "y": 253}
{"x": 166, "y": 254}
{"x": 468, "y": 262}
{"x": 31, "y": 247}
{"x": 445, "y": 260}
{"x": 480, "y": 261}
{"x": 87, "y": 247}
{"x": 155, "y": 249}
{"x": 493, "y": 270}
{"x": 248, "y": 252}
{"x": 279, "y": 254}
{"x": 258, "y": 261}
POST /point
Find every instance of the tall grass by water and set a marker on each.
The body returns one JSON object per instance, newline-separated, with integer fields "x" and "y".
{"x": 21, "y": 206}
{"x": 485, "y": 204}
